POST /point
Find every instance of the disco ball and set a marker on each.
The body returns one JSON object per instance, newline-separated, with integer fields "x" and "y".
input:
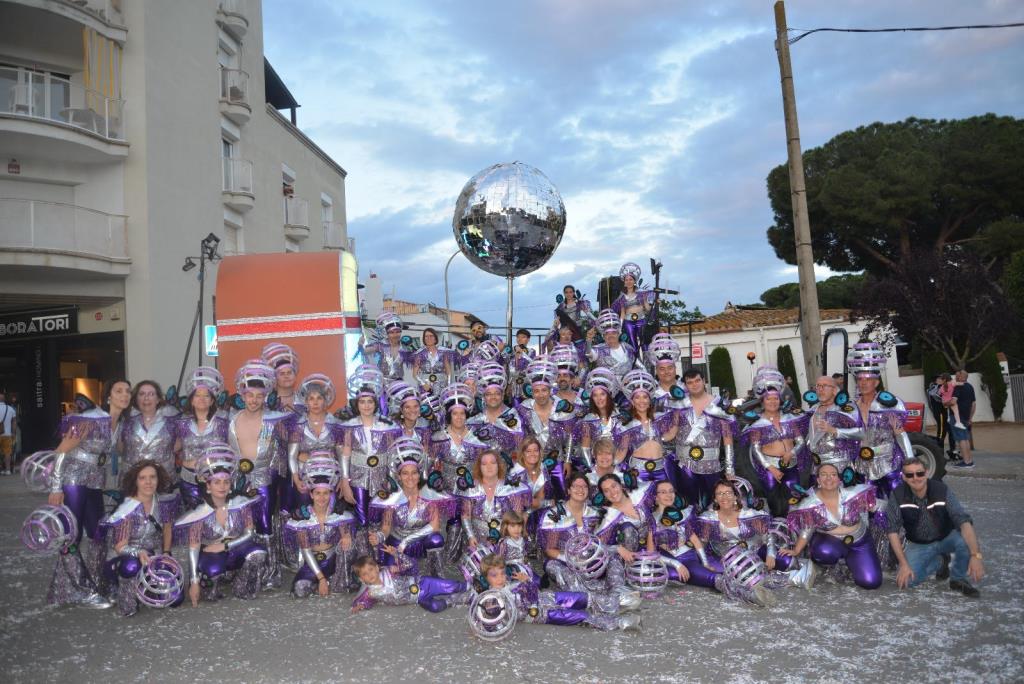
{"x": 509, "y": 219}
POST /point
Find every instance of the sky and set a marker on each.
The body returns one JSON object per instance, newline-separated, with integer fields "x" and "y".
{"x": 657, "y": 120}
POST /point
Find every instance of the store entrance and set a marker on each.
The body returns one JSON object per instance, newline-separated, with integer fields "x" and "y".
{"x": 42, "y": 376}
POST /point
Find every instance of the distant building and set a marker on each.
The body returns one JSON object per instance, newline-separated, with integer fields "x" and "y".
{"x": 415, "y": 316}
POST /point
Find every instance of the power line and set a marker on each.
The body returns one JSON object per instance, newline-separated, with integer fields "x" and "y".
{"x": 807, "y": 32}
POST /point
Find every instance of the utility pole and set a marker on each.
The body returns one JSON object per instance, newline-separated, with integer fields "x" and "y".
{"x": 810, "y": 316}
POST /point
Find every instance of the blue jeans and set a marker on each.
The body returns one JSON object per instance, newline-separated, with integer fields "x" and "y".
{"x": 925, "y": 559}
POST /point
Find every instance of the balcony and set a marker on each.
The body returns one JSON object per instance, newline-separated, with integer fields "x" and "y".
{"x": 231, "y": 16}
{"x": 296, "y": 218}
{"x": 234, "y": 95}
{"x": 103, "y": 16}
{"x": 58, "y": 119}
{"x": 238, "y": 189}
{"x": 58, "y": 235}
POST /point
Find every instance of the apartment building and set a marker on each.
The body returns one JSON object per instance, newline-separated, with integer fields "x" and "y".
{"x": 130, "y": 131}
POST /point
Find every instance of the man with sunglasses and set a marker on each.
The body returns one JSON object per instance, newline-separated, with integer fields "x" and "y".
{"x": 937, "y": 527}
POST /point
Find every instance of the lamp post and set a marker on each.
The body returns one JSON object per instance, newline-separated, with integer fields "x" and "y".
{"x": 207, "y": 252}
{"x": 447, "y": 304}
{"x": 690, "y": 320}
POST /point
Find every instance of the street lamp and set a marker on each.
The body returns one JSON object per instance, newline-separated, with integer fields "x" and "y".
{"x": 207, "y": 252}
{"x": 447, "y": 304}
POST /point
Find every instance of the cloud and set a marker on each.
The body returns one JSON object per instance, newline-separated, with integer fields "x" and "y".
{"x": 658, "y": 122}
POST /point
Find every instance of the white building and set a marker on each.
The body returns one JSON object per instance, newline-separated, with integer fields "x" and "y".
{"x": 129, "y": 131}
{"x": 763, "y": 331}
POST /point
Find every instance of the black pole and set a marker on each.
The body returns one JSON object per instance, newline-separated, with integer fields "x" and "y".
{"x": 199, "y": 313}
{"x": 689, "y": 357}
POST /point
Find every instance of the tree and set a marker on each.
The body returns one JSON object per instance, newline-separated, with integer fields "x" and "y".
{"x": 837, "y": 292}
{"x": 950, "y": 302}
{"x": 720, "y": 370}
{"x": 880, "y": 193}
{"x": 674, "y": 312}
{"x": 992, "y": 381}
{"x": 784, "y": 362}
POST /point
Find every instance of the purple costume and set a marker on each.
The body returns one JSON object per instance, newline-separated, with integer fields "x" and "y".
{"x": 814, "y": 522}
{"x": 633, "y": 323}
{"x": 304, "y": 540}
{"x": 79, "y": 475}
{"x": 618, "y": 529}
{"x": 826, "y": 448}
{"x": 792, "y": 426}
{"x": 305, "y": 440}
{"x": 261, "y": 470}
{"x": 619, "y": 360}
{"x": 633, "y": 434}
{"x": 454, "y": 457}
{"x": 411, "y": 529}
{"x": 193, "y": 444}
{"x": 366, "y": 464}
{"x": 242, "y": 554}
{"x": 481, "y": 516}
{"x": 139, "y": 531}
{"x": 155, "y": 443}
{"x": 431, "y": 593}
{"x": 433, "y": 369}
{"x": 504, "y": 433}
{"x": 701, "y": 451}
{"x": 672, "y": 538}
{"x": 555, "y": 436}
{"x": 563, "y": 608}
{"x": 881, "y": 451}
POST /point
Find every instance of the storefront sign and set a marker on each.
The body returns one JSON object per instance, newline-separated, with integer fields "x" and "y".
{"x": 43, "y": 323}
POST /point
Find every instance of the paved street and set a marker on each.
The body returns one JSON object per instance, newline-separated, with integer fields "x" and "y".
{"x": 834, "y": 634}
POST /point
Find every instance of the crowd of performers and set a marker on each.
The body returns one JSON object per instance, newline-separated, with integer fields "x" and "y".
{"x": 566, "y": 486}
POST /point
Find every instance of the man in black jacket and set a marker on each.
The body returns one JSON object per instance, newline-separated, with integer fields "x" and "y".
{"x": 937, "y": 527}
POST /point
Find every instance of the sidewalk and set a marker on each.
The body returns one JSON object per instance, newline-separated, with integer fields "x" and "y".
{"x": 998, "y": 453}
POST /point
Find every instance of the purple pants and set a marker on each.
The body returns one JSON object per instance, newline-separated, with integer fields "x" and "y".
{"x": 557, "y": 475}
{"x": 566, "y": 617}
{"x": 432, "y": 591}
{"x": 362, "y": 505}
{"x": 306, "y": 573}
{"x": 264, "y": 511}
{"x": 782, "y": 563}
{"x": 884, "y": 486}
{"x": 87, "y": 505}
{"x": 699, "y": 575}
{"x": 122, "y": 566}
{"x": 697, "y": 489}
{"x": 860, "y": 557}
{"x": 790, "y": 477}
{"x": 635, "y": 329}
{"x": 417, "y": 549}
{"x": 216, "y": 564}
{"x": 574, "y": 600}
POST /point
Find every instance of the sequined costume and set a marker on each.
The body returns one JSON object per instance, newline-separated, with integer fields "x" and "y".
{"x": 880, "y": 450}
{"x": 261, "y": 469}
{"x": 79, "y": 474}
{"x": 563, "y": 608}
{"x": 814, "y": 522}
{"x": 193, "y": 442}
{"x": 366, "y": 465}
{"x": 672, "y": 539}
{"x": 433, "y": 369}
{"x": 826, "y": 448}
{"x": 155, "y": 443}
{"x": 792, "y": 427}
{"x": 243, "y": 555}
{"x": 317, "y": 545}
{"x": 555, "y": 435}
{"x": 411, "y": 529}
{"x": 516, "y": 369}
{"x": 139, "y": 531}
{"x": 481, "y": 515}
{"x": 304, "y": 440}
{"x": 578, "y": 311}
{"x": 618, "y": 529}
{"x": 701, "y": 449}
{"x": 431, "y": 593}
{"x": 633, "y": 309}
{"x": 504, "y": 433}
{"x": 619, "y": 360}
{"x": 633, "y": 434}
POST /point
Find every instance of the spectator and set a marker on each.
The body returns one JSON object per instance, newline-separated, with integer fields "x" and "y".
{"x": 789, "y": 400}
{"x": 937, "y": 528}
{"x": 965, "y": 402}
{"x": 950, "y": 403}
{"x": 934, "y": 394}
{"x": 8, "y": 425}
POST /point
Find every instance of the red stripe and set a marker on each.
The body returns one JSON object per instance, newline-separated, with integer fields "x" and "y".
{"x": 285, "y": 327}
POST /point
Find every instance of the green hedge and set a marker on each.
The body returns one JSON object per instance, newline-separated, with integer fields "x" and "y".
{"x": 992, "y": 380}
{"x": 720, "y": 370}
{"x": 784, "y": 362}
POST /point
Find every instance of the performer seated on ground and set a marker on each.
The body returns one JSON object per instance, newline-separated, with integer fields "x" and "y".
{"x": 380, "y": 585}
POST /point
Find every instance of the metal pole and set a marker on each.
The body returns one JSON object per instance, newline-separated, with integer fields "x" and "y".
{"x": 508, "y": 312}
{"x": 447, "y": 305}
{"x": 689, "y": 359}
{"x": 202, "y": 283}
{"x": 810, "y": 316}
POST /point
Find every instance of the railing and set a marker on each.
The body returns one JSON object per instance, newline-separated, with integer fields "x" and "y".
{"x": 42, "y": 95}
{"x": 238, "y": 175}
{"x": 296, "y": 212}
{"x": 234, "y": 86}
{"x": 61, "y": 227}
